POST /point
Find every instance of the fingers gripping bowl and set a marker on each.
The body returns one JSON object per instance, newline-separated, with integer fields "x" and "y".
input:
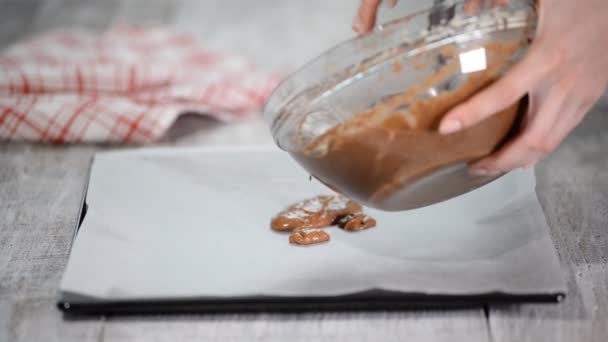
{"x": 362, "y": 118}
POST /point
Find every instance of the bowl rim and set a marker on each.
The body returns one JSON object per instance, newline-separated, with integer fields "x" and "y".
{"x": 273, "y": 117}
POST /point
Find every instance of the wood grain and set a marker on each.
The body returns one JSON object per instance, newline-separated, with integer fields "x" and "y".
{"x": 573, "y": 190}
{"x": 92, "y": 15}
{"x": 145, "y": 12}
{"x": 16, "y": 16}
{"x": 413, "y": 326}
{"x": 39, "y": 188}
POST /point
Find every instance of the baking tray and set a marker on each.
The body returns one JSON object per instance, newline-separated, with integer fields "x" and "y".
{"x": 498, "y": 276}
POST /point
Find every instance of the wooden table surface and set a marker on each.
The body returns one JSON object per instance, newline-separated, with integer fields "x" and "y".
{"x": 40, "y": 189}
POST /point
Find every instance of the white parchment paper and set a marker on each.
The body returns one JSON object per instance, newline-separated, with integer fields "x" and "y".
{"x": 180, "y": 223}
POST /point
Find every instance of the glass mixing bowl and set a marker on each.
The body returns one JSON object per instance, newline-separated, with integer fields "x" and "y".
{"x": 362, "y": 118}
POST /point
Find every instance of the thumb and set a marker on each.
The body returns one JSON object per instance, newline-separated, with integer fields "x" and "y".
{"x": 504, "y": 92}
{"x": 366, "y": 16}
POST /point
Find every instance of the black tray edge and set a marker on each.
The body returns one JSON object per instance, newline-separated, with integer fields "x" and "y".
{"x": 358, "y": 302}
{"x": 372, "y": 301}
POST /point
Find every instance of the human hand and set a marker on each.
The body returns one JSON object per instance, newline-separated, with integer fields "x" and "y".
{"x": 564, "y": 73}
{"x": 366, "y": 15}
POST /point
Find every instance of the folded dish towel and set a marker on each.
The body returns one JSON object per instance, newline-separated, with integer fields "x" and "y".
{"x": 125, "y": 86}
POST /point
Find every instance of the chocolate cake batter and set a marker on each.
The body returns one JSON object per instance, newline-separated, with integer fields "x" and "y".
{"x": 356, "y": 222}
{"x": 379, "y": 151}
{"x": 317, "y": 212}
{"x": 308, "y": 236}
{"x": 305, "y": 218}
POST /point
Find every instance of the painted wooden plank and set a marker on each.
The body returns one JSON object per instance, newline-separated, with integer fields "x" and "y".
{"x": 16, "y": 18}
{"x": 146, "y": 12}
{"x": 408, "y": 326}
{"x": 39, "y": 199}
{"x": 92, "y": 15}
{"x": 573, "y": 190}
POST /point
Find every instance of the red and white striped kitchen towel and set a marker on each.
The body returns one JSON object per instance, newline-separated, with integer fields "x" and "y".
{"x": 126, "y": 86}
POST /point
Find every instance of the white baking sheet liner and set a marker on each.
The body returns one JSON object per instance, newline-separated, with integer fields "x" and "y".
{"x": 183, "y": 223}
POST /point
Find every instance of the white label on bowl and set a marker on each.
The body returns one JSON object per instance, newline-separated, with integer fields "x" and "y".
{"x": 474, "y": 60}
